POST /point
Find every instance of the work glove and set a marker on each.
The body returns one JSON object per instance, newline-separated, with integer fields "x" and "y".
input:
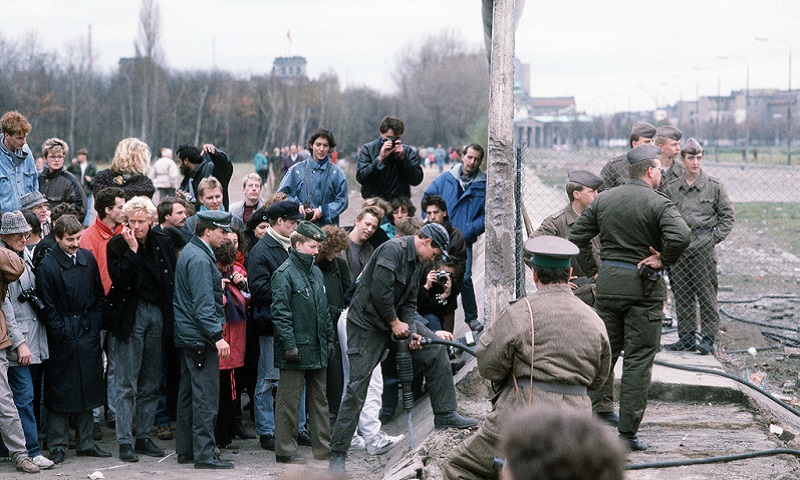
{"x": 292, "y": 355}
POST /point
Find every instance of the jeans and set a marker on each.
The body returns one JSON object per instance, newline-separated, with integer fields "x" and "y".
{"x": 21, "y": 382}
{"x": 263, "y": 403}
{"x": 468, "y": 300}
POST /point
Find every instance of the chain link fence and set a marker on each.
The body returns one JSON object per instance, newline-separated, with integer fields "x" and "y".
{"x": 756, "y": 267}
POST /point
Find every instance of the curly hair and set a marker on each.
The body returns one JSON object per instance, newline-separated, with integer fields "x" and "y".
{"x": 131, "y": 157}
{"x": 13, "y": 123}
{"x": 139, "y": 204}
{"x": 335, "y": 242}
{"x": 52, "y": 144}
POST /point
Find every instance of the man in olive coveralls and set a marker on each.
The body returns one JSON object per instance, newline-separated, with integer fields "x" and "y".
{"x": 637, "y": 226}
{"x": 553, "y": 366}
{"x": 704, "y": 204}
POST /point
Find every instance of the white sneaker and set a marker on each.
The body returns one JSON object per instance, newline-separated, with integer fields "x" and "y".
{"x": 357, "y": 442}
{"x": 42, "y": 462}
{"x": 382, "y": 443}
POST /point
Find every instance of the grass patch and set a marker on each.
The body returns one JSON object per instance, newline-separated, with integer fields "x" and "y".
{"x": 781, "y": 221}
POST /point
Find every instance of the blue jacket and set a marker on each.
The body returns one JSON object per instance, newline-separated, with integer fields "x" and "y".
{"x": 18, "y": 176}
{"x": 467, "y": 211}
{"x": 198, "y": 297}
{"x": 326, "y": 184}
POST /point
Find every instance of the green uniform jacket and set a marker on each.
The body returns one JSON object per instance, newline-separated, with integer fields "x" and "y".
{"x": 615, "y": 173}
{"x": 675, "y": 172}
{"x": 629, "y": 219}
{"x": 559, "y": 224}
{"x": 300, "y": 312}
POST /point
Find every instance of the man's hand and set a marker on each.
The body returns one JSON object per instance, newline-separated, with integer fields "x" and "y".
{"x": 317, "y": 214}
{"x": 24, "y": 354}
{"x": 127, "y": 234}
{"x": 223, "y": 349}
{"x": 445, "y": 335}
{"x": 415, "y": 344}
{"x": 448, "y": 287}
{"x": 653, "y": 261}
{"x": 399, "y": 329}
{"x": 292, "y": 355}
{"x": 208, "y": 148}
{"x": 572, "y": 285}
{"x": 430, "y": 279}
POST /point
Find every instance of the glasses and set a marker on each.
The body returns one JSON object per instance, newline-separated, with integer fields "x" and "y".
{"x": 57, "y": 157}
{"x": 20, "y": 236}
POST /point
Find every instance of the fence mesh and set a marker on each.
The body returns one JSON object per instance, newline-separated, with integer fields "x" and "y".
{"x": 756, "y": 267}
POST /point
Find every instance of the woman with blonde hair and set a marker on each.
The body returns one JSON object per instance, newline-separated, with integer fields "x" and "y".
{"x": 128, "y": 170}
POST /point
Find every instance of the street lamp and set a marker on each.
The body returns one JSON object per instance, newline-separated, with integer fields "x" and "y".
{"x": 789, "y": 107}
{"x": 746, "y": 96}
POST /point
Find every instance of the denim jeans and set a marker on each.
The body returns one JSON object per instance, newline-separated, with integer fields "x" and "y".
{"x": 263, "y": 403}
{"x": 21, "y": 382}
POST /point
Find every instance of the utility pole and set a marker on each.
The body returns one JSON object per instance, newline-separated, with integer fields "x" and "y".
{"x": 501, "y": 207}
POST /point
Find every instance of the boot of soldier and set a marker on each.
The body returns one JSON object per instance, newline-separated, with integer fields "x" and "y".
{"x": 706, "y": 345}
{"x": 686, "y": 343}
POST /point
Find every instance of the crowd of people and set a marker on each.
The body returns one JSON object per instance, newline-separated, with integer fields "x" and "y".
{"x": 162, "y": 315}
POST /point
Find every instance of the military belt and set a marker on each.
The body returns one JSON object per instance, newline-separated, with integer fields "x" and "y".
{"x": 619, "y": 264}
{"x": 559, "y": 388}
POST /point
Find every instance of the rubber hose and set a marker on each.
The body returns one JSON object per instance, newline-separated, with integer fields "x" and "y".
{"x": 720, "y": 459}
{"x": 460, "y": 346}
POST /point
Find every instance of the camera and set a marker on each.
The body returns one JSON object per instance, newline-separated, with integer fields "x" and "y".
{"x": 241, "y": 285}
{"x": 393, "y": 140}
{"x": 29, "y": 295}
{"x": 309, "y": 212}
{"x": 442, "y": 276}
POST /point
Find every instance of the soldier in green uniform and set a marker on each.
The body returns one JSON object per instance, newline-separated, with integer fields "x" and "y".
{"x": 545, "y": 349}
{"x": 615, "y": 172}
{"x": 581, "y": 189}
{"x": 638, "y": 226}
{"x": 704, "y": 204}
{"x": 668, "y": 139}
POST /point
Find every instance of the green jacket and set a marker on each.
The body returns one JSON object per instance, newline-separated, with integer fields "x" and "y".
{"x": 300, "y": 313}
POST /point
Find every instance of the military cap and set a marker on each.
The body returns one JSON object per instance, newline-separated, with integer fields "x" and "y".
{"x": 308, "y": 229}
{"x": 82, "y": 151}
{"x": 585, "y": 178}
{"x": 284, "y": 209}
{"x": 640, "y": 153}
{"x": 216, "y": 217}
{"x": 438, "y": 234}
{"x": 668, "y": 131}
{"x": 549, "y": 251}
{"x": 691, "y": 147}
{"x": 30, "y": 200}
{"x": 643, "y": 129}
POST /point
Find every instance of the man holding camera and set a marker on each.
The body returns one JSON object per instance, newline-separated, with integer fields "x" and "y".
{"x": 632, "y": 240}
{"x": 387, "y": 168}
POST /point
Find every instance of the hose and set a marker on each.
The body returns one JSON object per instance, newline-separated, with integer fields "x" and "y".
{"x": 752, "y": 322}
{"x": 439, "y": 341}
{"x": 754, "y": 300}
{"x": 720, "y": 459}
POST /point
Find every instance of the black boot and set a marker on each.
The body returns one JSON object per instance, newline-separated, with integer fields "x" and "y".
{"x": 686, "y": 343}
{"x": 706, "y": 345}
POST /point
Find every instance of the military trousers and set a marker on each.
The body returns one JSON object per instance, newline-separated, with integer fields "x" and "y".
{"x": 633, "y": 325}
{"x": 198, "y": 402}
{"x": 287, "y": 411}
{"x": 695, "y": 284}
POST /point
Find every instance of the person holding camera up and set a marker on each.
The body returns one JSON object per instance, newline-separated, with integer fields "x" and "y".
{"x": 318, "y": 185}
{"x": 387, "y": 168}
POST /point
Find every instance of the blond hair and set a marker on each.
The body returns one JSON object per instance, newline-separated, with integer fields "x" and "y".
{"x": 131, "y": 157}
{"x": 206, "y": 184}
{"x": 139, "y": 204}
{"x": 54, "y": 144}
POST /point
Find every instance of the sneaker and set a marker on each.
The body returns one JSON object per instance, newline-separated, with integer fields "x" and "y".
{"x": 25, "y": 464}
{"x": 42, "y": 462}
{"x": 357, "y": 442}
{"x": 382, "y": 443}
{"x": 165, "y": 433}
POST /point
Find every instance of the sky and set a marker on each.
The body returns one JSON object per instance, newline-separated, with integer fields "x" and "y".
{"x": 611, "y": 56}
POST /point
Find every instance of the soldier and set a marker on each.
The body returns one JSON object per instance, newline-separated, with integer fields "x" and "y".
{"x": 581, "y": 189}
{"x": 615, "y": 172}
{"x": 646, "y": 238}
{"x": 704, "y": 204}
{"x": 572, "y": 355}
{"x": 668, "y": 139}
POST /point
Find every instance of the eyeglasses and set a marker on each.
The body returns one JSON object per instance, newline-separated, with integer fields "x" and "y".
{"x": 20, "y": 236}
{"x": 58, "y": 157}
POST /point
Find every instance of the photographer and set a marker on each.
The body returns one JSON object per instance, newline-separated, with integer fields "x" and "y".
{"x": 437, "y": 300}
{"x": 387, "y": 168}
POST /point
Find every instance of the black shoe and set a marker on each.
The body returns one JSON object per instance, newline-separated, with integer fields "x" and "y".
{"x": 145, "y": 446}
{"x": 303, "y": 439}
{"x": 452, "y": 420}
{"x": 632, "y": 442}
{"x": 57, "y": 455}
{"x": 184, "y": 458}
{"x": 706, "y": 345}
{"x": 267, "y": 442}
{"x": 685, "y": 343}
{"x": 610, "y": 418}
{"x": 295, "y": 459}
{"x": 239, "y": 431}
{"x": 97, "y": 432}
{"x": 336, "y": 463}
{"x": 126, "y": 453}
{"x": 475, "y": 325}
{"x": 94, "y": 452}
{"x": 213, "y": 464}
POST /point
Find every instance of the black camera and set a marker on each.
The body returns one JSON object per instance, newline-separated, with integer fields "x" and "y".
{"x": 393, "y": 140}
{"x": 241, "y": 285}
{"x": 29, "y": 295}
{"x": 442, "y": 276}
{"x": 309, "y": 212}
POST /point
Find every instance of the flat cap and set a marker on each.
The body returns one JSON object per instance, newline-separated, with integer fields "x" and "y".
{"x": 308, "y": 229}
{"x": 691, "y": 147}
{"x": 259, "y": 216}
{"x": 643, "y": 129}
{"x": 640, "y": 153}
{"x": 284, "y": 209}
{"x": 30, "y": 200}
{"x": 549, "y": 251}
{"x": 669, "y": 131}
{"x": 585, "y": 178}
{"x": 216, "y": 217}
{"x": 438, "y": 234}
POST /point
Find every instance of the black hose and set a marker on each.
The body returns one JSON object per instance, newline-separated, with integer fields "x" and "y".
{"x": 753, "y": 322}
{"x": 754, "y": 300}
{"x": 722, "y": 458}
{"x": 461, "y": 346}
{"x": 781, "y": 338}
{"x": 732, "y": 377}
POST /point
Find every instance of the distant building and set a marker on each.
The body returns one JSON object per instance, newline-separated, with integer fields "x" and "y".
{"x": 289, "y": 67}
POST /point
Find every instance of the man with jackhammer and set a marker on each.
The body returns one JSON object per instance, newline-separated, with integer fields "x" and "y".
{"x": 545, "y": 349}
{"x": 385, "y": 304}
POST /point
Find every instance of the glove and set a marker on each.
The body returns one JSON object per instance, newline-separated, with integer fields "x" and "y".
{"x": 331, "y": 349}
{"x": 292, "y": 355}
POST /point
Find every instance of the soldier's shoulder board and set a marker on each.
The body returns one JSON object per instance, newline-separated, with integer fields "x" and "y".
{"x": 557, "y": 214}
